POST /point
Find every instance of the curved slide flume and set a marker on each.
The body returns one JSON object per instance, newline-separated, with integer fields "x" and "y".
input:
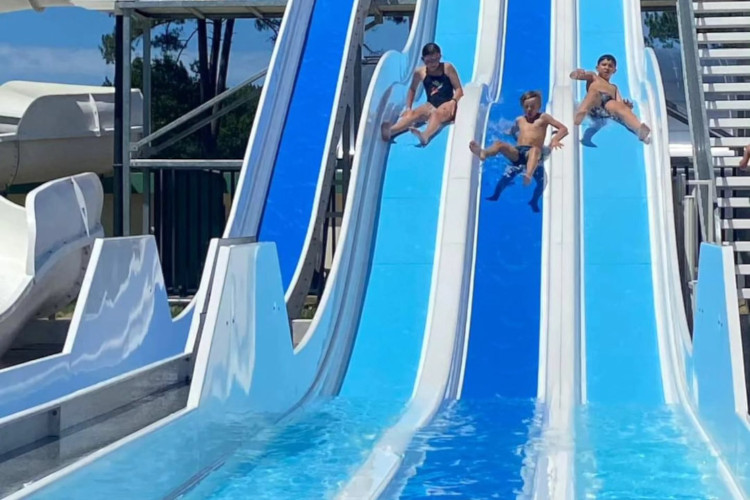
{"x": 246, "y": 362}
{"x": 628, "y": 333}
{"x": 123, "y": 292}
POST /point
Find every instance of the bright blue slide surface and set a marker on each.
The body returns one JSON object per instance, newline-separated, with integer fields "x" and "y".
{"x": 288, "y": 208}
{"x": 622, "y": 355}
{"x": 503, "y": 355}
{"x": 327, "y": 441}
{"x": 628, "y": 442}
{"x": 471, "y": 447}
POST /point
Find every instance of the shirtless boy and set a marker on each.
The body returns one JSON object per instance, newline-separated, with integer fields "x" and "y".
{"x": 605, "y": 95}
{"x": 443, "y": 89}
{"x": 530, "y": 130}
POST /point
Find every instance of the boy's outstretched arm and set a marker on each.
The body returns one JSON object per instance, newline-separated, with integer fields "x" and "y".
{"x": 458, "y": 90}
{"x": 582, "y": 74}
{"x": 562, "y": 131}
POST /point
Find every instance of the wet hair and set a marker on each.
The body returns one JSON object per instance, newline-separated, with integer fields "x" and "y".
{"x": 530, "y": 94}
{"x": 607, "y": 57}
{"x": 430, "y": 49}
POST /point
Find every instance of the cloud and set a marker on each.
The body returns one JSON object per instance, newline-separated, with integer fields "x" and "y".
{"x": 58, "y": 64}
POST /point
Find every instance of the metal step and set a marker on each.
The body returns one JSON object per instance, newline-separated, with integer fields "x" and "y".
{"x": 730, "y": 142}
{"x": 735, "y": 224}
{"x": 721, "y": 7}
{"x": 727, "y": 88}
{"x": 742, "y": 269}
{"x": 734, "y": 203}
{"x": 712, "y": 23}
{"x": 728, "y": 105}
{"x": 741, "y": 246}
{"x": 733, "y": 183}
{"x": 724, "y": 53}
{"x": 729, "y": 123}
{"x": 745, "y": 292}
{"x": 726, "y": 162}
{"x": 724, "y": 70}
{"x": 741, "y": 37}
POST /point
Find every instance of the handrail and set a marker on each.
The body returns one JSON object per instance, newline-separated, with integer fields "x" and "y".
{"x": 702, "y": 160}
{"x": 197, "y": 111}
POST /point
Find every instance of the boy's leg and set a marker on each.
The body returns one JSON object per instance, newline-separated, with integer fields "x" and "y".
{"x": 532, "y": 162}
{"x": 506, "y": 149}
{"x": 406, "y": 120}
{"x": 626, "y": 114}
{"x": 441, "y": 115}
{"x": 746, "y": 157}
{"x": 592, "y": 99}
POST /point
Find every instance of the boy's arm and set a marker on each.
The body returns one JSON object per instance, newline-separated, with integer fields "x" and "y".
{"x": 562, "y": 131}
{"x": 582, "y": 74}
{"x": 458, "y": 91}
{"x": 513, "y": 130}
{"x": 416, "y": 79}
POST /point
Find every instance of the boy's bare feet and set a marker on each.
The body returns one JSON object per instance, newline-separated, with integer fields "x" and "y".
{"x": 643, "y": 133}
{"x": 475, "y": 148}
{"x": 385, "y": 131}
{"x": 418, "y": 133}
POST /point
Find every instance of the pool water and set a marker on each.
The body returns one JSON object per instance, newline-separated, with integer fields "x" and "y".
{"x": 644, "y": 453}
{"x": 480, "y": 448}
{"x": 311, "y": 456}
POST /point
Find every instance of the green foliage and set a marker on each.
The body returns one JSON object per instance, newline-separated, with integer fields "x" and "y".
{"x": 663, "y": 29}
{"x": 176, "y": 90}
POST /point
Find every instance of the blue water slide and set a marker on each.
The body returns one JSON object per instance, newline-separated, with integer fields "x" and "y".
{"x": 246, "y": 363}
{"x": 629, "y": 376}
{"x": 295, "y": 183}
{"x": 503, "y": 337}
{"x": 122, "y": 321}
{"x": 503, "y": 347}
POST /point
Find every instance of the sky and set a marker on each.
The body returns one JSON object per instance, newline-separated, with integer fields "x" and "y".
{"x": 51, "y": 47}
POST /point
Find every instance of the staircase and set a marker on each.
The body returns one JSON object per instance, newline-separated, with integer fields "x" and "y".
{"x": 723, "y": 34}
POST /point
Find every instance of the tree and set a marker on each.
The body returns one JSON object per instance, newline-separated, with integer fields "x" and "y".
{"x": 663, "y": 28}
{"x": 177, "y": 89}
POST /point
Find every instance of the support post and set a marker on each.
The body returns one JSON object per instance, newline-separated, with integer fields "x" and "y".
{"x": 119, "y": 149}
{"x": 146, "y": 84}
{"x": 126, "y": 120}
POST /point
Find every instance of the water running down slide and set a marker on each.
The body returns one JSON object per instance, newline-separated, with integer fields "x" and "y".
{"x": 627, "y": 375}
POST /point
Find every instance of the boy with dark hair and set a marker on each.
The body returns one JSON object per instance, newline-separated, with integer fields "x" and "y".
{"x": 604, "y": 100}
{"x": 530, "y": 129}
{"x": 443, "y": 89}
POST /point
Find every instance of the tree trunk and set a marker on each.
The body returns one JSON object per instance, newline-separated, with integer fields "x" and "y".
{"x": 206, "y": 84}
{"x": 221, "y": 80}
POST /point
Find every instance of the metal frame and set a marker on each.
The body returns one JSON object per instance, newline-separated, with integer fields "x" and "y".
{"x": 703, "y": 161}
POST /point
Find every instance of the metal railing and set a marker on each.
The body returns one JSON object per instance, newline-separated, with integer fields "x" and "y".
{"x": 702, "y": 160}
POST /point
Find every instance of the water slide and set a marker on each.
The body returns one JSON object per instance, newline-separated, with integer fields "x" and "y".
{"x": 271, "y": 379}
{"x": 123, "y": 293}
{"x": 51, "y": 132}
{"x": 636, "y": 366}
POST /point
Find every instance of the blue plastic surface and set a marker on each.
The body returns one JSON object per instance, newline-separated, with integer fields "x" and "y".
{"x": 388, "y": 346}
{"x": 288, "y": 209}
{"x": 622, "y": 357}
{"x": 503, "y": 356}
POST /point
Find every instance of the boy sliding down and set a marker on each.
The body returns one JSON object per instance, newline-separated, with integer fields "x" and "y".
{"x": 530, "y": 130}
{"x": 603, "y": 95}
{"x": 443, "y": 89}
